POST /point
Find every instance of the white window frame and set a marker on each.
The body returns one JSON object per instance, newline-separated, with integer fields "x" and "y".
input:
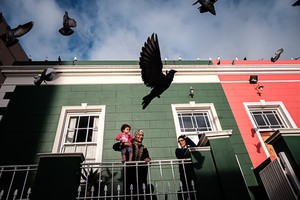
{"x": 275, "y": 105}
{"x": 192, "y": 106}
{"x": 68, "y": 111}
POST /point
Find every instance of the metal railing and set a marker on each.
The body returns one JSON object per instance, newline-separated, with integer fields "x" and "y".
{"x": 158, "y": 179}
{"x": 16, "y": 181}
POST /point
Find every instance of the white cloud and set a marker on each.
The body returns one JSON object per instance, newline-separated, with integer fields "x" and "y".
{"x": 109, "y": 30}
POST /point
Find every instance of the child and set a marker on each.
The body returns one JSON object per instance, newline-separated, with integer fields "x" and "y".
{"x": 125, "y": 139}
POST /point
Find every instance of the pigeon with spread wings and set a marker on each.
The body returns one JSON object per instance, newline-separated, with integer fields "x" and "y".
{"x": 48, "y": 74}
{"x": 277, "y": 55}
{"x": 67, "y": 24}
{"x": 152, "y": 75}
{"x": 206, "y": 6}
{"x": 11, "y": 35}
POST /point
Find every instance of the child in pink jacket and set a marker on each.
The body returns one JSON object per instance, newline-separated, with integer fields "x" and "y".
{"x": 125, "y": 139}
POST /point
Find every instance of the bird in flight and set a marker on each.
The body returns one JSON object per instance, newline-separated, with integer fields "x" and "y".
{"x": 206, "y": 6}
{"x": 297, "y": 3}
{"x": 151, "y": 69}
{"x": 48, "y": 74}
{"x": 67, "y": 24}
{"x": 11, "y": 35}
{"x": 277, "y": 55}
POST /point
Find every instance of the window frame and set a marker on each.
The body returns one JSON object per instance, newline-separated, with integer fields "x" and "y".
{"x": 84, "y": 109}
{"x": 192, "y": 106}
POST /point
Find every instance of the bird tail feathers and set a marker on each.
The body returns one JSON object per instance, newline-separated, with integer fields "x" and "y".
{"x": 146, "y": 100}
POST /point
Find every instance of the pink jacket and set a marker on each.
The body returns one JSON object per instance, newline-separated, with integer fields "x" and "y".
{"x": 125, "y": 137}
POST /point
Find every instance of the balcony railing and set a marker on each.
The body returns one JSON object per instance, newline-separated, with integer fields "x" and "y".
{"x": 16, "y": 181}
{"x": 110, "y": 180}
{"x": 114, "y": 180}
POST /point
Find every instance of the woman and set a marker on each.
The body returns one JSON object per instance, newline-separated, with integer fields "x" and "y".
{"x": 186, "y": 171}
{"x": 136, "y": 174}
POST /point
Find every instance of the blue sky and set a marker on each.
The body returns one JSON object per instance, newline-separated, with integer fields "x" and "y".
{"x": 117, "y": 30}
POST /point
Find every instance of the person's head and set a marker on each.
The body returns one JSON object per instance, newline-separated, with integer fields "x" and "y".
{"x": 181, "y": 141}
{"x": 139, "y": 136}
{"x": 125, "y": 128}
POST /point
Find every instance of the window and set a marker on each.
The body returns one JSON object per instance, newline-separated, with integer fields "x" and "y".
{"x": 192, "y": 119}
{"x": 80, "y": 130}
{"x": 267, "y": 117}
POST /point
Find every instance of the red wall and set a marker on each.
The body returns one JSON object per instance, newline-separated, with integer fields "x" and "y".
{"x": 277, "y": 88}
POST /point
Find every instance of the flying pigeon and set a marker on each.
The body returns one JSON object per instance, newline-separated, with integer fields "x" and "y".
{"x": 67, "y": 24}
{"x": 277, "y": 55}
{"x": 152, "y": 75}
{"x": 11, "y": 35}
{"x": 297, "y": 3}
{"x": 206, "y": 6}
{"x": 47, "y": 75}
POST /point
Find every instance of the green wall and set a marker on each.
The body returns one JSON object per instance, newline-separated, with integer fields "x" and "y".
{"x": 30, "y": 121}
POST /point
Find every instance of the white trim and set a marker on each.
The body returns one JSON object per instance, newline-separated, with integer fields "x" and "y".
{"x": 212, "y": 135}
{"x": 216, "y": 125}
{"x": 80, "y": 109}
{"x": 124, "y": 74}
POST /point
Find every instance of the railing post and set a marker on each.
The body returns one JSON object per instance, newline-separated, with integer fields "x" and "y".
{"x": 58, "y": 176}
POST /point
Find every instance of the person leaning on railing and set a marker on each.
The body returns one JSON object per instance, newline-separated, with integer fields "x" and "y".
{"x": 137, "y": 172}
{"x": 186, "y": 171}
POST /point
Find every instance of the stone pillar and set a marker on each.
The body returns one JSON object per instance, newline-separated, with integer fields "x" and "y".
{"x": 58, "y": 176}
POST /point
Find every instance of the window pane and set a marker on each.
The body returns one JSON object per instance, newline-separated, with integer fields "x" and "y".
{"x": 81, "y": 135}
{"x": 83, "y": 122}
{"x": 267, "y": 119}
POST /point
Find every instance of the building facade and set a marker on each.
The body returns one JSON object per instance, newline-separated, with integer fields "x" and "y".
{"x": 242, "y": 117}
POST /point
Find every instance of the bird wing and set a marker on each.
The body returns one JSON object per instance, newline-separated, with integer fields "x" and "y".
{"x": 150, "y": 62}
{"x": 279, "y": 51}
{"x": 72, "y": 23}
{"x": 196, "y": 2}
{"x": 22, "y": 29}
{"x": 297, "y": 3}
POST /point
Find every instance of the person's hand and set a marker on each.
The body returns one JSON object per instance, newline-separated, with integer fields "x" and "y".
{"x": 147, "y": 160}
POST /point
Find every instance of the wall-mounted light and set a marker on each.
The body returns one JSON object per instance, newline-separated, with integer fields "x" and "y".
{"x": 253, "y": 79}
{"x": 259, "y": 88}
{"x": 191, "y": 92}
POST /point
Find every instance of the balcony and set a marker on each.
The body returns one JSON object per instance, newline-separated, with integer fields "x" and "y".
{"x": 107, "y": 180}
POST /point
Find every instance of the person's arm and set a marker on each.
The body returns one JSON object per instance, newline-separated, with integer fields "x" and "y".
{"x": 146, "y": 156}
{"x": 181, "y": 153}
{"x": 190, "y": 142}
{"x": 119, "y": 136}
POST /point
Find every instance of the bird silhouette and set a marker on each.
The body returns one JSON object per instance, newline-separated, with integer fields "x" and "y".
{"x": 48, "y": 74}
{"x": 277, "y": 55}
{"x": 67, "y": 24}
{"x": 152, "y": 75}
{"x": 206, "y": 6}
{"x": 11, "y": 35}
{"x": 297, "y": 3}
